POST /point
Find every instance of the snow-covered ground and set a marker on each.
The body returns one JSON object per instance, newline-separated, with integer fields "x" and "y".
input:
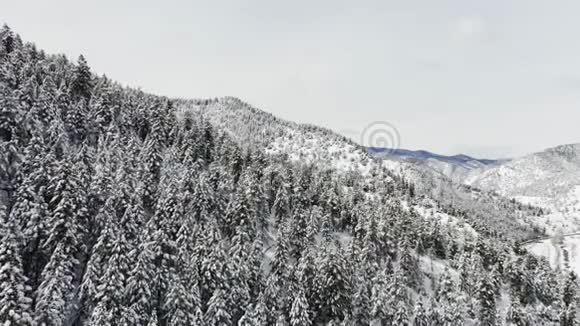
{"x": 311, "y": 147}
{"x": 562, "y": 254}
{"x": 563, "y": 212}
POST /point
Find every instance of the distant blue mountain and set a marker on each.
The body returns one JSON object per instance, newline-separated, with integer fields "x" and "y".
{"x": 423, "y": 155}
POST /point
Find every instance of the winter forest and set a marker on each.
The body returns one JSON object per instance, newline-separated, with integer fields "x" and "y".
{"x": 119, "y": 207}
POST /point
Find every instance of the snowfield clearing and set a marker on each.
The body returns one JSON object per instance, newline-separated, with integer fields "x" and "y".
{"x": 561, "y": 255}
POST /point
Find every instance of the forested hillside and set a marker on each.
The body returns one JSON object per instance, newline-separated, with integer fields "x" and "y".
{"x": 124, "y": 208}
{"x": 427, "y": 189}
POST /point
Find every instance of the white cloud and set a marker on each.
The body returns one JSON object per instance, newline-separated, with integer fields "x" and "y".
{"x": 470, "y": 28}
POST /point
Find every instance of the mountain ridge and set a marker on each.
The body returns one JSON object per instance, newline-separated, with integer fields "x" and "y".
{"x": 424, "y": 154}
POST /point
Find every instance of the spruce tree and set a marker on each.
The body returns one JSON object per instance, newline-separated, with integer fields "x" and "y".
{"x": 299, "y": 313}
{"x": 81, "y": 85}
{"x": 30, "y": 212}
{"x": 299, "y": 232}
{"x": 217, "y": 312}
{"x": 420, "y": 315}
{"x": 7, "y": 39}
{"x": 361, "y": 301}
{"x": 239, "y": 273}
{"x": 67, "y": 207}
{"x": 569, "y": 301}
{"x": 516, "y": 316}
{"x": 332, "y": 284}
{"x": 401, "y": 316}
{"x": 54, "y": 291}
{"x": 15, "y": 302}
{"x": 141, "y": 285}
{"x": 181, "y": 304}
{"x": 446, "y": 290}
{"x": 432, "y": 314}
{"x": 281, "y": 254}
{"x": 409, "y": 264}
{"x": 212, "y": 262}
{"x": 152, "y": 157}
{"x": 486, "y": 300}
{"x": 111, "y": 292}
{"x": 380, "y": 298}
{"x": 97, "y": 263}
{"x": 452, "y": 314}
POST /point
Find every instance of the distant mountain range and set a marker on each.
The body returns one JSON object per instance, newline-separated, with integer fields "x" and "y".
{"x": 424, "y": 155}
{"x": 456, "y": 167}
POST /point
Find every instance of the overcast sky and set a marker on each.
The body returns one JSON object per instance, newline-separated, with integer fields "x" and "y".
{"x": 491, "y": 78}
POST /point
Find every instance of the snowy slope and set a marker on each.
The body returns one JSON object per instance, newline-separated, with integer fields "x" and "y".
{"x": 549, "y": 179}
{"x": 301, "y": 142}
{"x": 546, "y": 173}
{"x": 439, "y": 178}
{"x": 304, "y": 143}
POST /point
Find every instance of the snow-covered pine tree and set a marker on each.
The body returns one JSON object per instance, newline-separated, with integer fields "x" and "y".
{"x": 299, "y": 313}
{"x": 182, "y": 304}
{"x": 81, "y": 85}
{"x": 280, "y": 261}
{"x": 239, "y": 271}
{"x": 7, "y": 40}
{"x": 332, "y": 284}
{"x": 112, "y": 288}
{"x": 30, "y": 211}
{"x": 57, "y": 284}
{"x": 361, "y": 299}
{"x": 446, "y": 288}
{"x": 380, "y": 299}
{"x": 432, "y": 313}
{"x": 217, "y": 311}
{"x": 420, "y": 317}
{"x": 15, "y": 301}
{"x": 212, "y": 262}
{"x": 569, "y": 300}
{"x": 451, "y": 314}
{"x": 516, "y": 316}
{"x": 67, "y": 207}
{"x": 152, "y": 158}
{"x": 299, "y": 232}
{"x": 11, "y": 114}
{"x": 486, "y": 300}
{"x": 141, "y": 285}
{"x": 409, "y": 264}
{"x": 401, "y": 316}
{"x": 97, "y": 263}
